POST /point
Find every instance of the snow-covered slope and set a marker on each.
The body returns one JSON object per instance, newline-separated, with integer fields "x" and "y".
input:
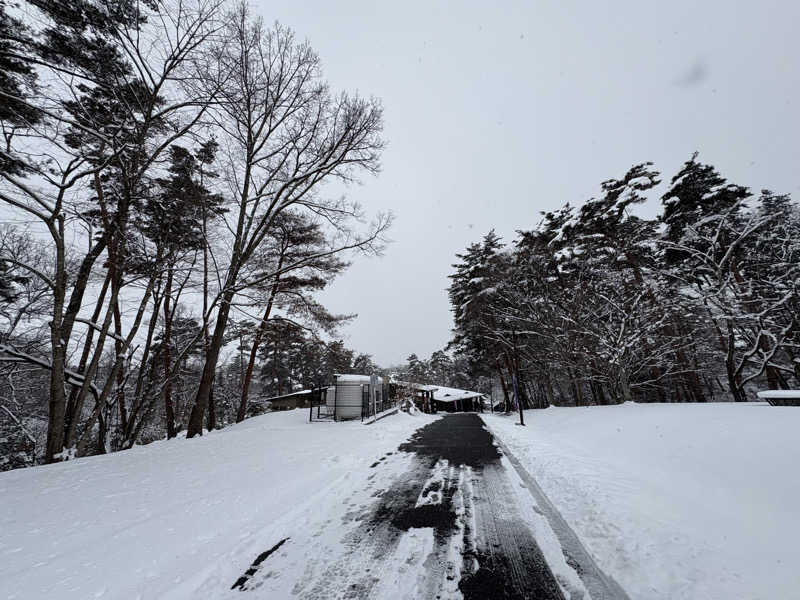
{"x": 686, "y": 501}
{"x": 163, "y": 520}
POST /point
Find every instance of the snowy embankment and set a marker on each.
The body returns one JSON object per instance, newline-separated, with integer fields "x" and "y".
{"x": 171, "y": 518}
{"x": 690, "y": 501}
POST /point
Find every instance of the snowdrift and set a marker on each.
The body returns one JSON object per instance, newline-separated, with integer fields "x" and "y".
{"x": 690, "y": 501}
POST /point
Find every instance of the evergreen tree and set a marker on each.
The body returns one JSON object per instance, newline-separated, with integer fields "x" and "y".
{"x": 18, "y": 81}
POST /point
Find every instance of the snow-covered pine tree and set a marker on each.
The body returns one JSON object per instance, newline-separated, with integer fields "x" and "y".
{"x": 711, "y": 230}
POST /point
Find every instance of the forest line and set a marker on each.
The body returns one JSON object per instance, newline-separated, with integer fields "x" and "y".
{"x": 173, "y": 174}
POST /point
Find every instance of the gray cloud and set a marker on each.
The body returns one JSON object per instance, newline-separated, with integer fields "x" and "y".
{"x": 592, "y": 88}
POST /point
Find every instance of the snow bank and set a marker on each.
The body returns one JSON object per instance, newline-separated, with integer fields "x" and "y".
{"x": 690, "y": 501}
{"x": 161, "y": 521}
{"x": 779, "y": 394}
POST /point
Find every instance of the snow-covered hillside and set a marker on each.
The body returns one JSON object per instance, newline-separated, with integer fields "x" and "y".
{"x": 689, "y": 501}
{"x": 162, "y": 520}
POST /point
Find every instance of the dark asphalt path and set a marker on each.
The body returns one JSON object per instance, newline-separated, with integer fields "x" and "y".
{"x": 445, "y": 525}
{"x": 501, "y": 558}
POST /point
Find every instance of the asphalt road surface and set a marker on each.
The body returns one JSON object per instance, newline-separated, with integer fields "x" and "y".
{"x": 439, "y": 519}
{"x": 500, "y": 556}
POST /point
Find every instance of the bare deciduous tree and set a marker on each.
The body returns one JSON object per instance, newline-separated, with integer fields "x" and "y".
{"x": 104, "y": 125}
{"x": 284, "y": 134}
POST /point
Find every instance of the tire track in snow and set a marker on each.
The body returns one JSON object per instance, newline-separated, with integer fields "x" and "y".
{"x": 599, "y": 585}
{"x": 456, "y": 489}
{"x": 448, "y": 526}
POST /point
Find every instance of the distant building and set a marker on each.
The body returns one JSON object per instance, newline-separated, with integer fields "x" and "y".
{"x": 421, "y": 394}
{"x": 456, "y": 400}
{"x": 287, "y": 401}
{"x": 364, "y": 396}
{"x": 354, "y": 397}
{"x": 433, "y": 398}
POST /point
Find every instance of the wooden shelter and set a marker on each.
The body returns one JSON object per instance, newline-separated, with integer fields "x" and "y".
{"x": 456, "y": 400}
{"x": 421, "y": 394}
{"x": 287, "y": 401}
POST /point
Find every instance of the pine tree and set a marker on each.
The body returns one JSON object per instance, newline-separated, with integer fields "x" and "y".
{"x": 18, "y": 81}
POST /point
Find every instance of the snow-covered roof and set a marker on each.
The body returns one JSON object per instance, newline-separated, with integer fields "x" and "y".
{"x": 426, "y": 388}
{"x": 345, "y": 377}
{"x": 446, "y": 394}
{"x": 418, "y": 386}
{"x": 298, "y": 393}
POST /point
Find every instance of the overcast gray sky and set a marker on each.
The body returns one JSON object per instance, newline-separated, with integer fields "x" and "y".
{"x": 496, "y": 111}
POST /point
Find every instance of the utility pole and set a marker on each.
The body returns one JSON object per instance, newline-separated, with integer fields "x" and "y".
{"x": 516, "y": 399}
{"x": 514, "y": 379}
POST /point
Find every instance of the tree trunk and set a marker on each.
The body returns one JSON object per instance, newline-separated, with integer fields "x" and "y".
{"x": 548, "y": 389}
{"x": 248, "y": 376}
{"x": 119, "y": 348}
{"x": 772, "y": 377}
{"x": 201, "y": 402}
{"x": 206, "y": 340}
{"x": 511, "y": 373}
{"x": 276, "y": 380}
{"x": 656, "y": 373}
{"x": 91, "y": 371}
{"x": 730, "y": 367}
{"x": 102, "y": 432}
{"x": 87, "y": 347}
{"x": 502, "y": 385}
{"x": 211, "y": 420}
{"x": 166, "y": 345}
{"x": 692, "y": 379}
{"x": 83, "y": 441}
{"x": 57, "y": 401}
{"x": 693, "y": 385}
{"x": 576, "y": 390}
{"x": 625, "y": 386}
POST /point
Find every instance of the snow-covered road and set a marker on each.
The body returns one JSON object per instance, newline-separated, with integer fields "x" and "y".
{"x": 443, "y": 524}
{"x": 411, "y": 507}
{"x": 445, "y": 516}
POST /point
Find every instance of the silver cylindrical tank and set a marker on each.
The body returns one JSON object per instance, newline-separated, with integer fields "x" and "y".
{"x": 349, "y": 399}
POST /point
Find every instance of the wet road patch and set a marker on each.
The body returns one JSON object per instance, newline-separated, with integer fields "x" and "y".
{"x": 461, "y": 491}
{"x": 445, "y": 526}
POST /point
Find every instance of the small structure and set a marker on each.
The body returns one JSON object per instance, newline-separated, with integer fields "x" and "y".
{"x": 421, "y": 394}
{"x": 781, "y": 397}
{"x": 352, "y": 397}
{"x": 455, "y": 400}
{"x": 347, "y": 399}
{"x": 297, "y": 399}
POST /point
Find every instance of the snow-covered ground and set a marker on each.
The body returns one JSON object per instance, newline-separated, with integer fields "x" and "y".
{"x": 173, "y": 518}
{"x": 689, "y": 501}
{"x": 698, "y": 502}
